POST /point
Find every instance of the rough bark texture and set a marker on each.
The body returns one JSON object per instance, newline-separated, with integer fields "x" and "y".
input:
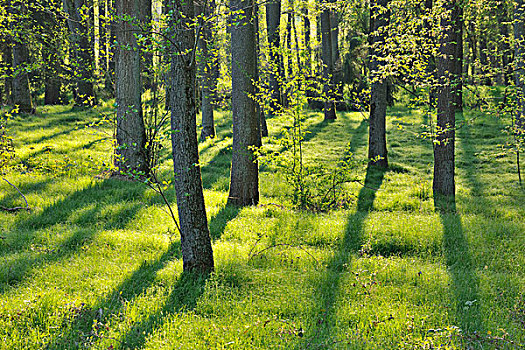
{"x": 197, "y": 254}
{"x": 131, "y": 136}
{"x": 519, "y": 57}
{"x": 273, "y": 20}
{"x": 444, "y": 162}
{"x": 82, "y": 51}
{"x": 377, "y": 151}
{"x": 328, "y": 69}
{"x": 21, "y": 92}
{"x": 207, "y": 60}
{"x": 244, "y": 182}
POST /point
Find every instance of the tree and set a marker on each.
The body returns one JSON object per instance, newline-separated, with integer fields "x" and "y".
{"x": 244, "y": 181}
{"x": 328, "y": 67}
{"x": 273, "y": 20}
{"x": 131, "y": 136}
{"x": 519, "y": 77}
{"x": 444, "y": 159}
{"x": 207, "y": 62}
{"x": 377, "y": 151}
{"x": 21, "y": 92}
{"x": 83, "y": 56}
{"x": 197, "y": 254}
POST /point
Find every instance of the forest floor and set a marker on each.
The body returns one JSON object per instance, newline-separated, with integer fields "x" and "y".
{"x": 96, "y": 263}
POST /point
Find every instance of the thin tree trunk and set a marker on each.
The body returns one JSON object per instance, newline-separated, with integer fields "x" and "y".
{"x": 82, "y": 51}
{"x": 307, "y": 41}
{"x": 244, "y": 182}
{"x": 326, "y": 38}
{"x": 273, "y": 20}
{"x": 457, "y": 23}
{"x": 197, "y": 254}
{"x": 444, "y": 159}
{"x": 377, "y": 151}
{"x": 519, "y": 66}
{"x": 431, "y": 65}
{"x": 146, "y": 52}
{"x": 207, "y": 79}
{"x": 131, "y": 136}
{"x": 259, "y": 109}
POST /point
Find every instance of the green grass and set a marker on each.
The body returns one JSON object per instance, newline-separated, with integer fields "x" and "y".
{"x": 95, "y": 263}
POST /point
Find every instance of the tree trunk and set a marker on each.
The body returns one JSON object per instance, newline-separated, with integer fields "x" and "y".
{"x": 131, "y": 136}
{"x": 273, "y": 20}
{"x": 504, "y": 41}
{"x": 444, "y": 162}
{"x": 109, "y": 77}
{"x": 207, "y": 60}
{"x": 197, "y": 254}
{"x": 147, "y": 53}
{"x": 326, "y": 38}
{"x": 7, "y": 61}
{"x": 307, "y": 41}
{"x": 519, "y": 59}
{"x": 82, "y": 51}
{"x": 431, "y": 65}
{"x": 377, "y": 151}
{"x": 259, "y": 109}
{"x": 244, "y": 182}
{"x": 457, "y": 23}
{"x": 21, "y": 92}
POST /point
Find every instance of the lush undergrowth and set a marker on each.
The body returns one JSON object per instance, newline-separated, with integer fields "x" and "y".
{"x": 95, "y": 263}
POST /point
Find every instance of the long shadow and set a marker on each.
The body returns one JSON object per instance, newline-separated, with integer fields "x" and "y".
{"x": 22, "y": 257}
{"x": 325, "y": 315}
{"x": 464, "y": 284}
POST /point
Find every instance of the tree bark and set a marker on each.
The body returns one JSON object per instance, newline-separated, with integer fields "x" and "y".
{"x": 273, "y": 21}
{"x": 207, "y": 60}
{"x": 377, "y": 151}
{"x": 328, "y": 71}
{"x": 444, "y": 161}
{"x": 146, "y": 52}
{"x": 307, "y": 41}
{"x": 7, "y": 63}
{"x": 244, "y": 182}
{"x": 197, "y": 254}
{"x": 259, "y": 109}
{"x": 457, "y": 23}
{"x": 21, "y": 93}
{"x": 82, "y": 50}
{"x": 131, "y": 136}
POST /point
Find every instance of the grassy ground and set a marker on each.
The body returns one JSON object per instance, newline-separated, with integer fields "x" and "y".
{"x": 95, "y": 265}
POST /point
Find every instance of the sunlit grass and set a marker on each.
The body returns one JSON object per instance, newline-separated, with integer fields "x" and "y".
{"x": 96, "y": 263}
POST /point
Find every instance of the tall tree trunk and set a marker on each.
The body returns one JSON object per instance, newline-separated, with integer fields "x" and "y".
{"x": 484, "y": 61}
{"x": 259, "y": 109}
{"x": 273, "y": 20}
{"x": 244, "y": 182}
{"x": 21, "y": 93}
{"x": 7, "y": 61}
{"x": 431, "y": 65}
{"x": 82, "y": 50}
{"x": 457, "y": 23}
{"x": 328, "y": 71}
{"x": 147, "y": 53}
{"x": 377, "y": 151}
{"x": 109, "y": 77}
{"x": 504, "y": 41}
{"x": 519, "y": 66}
{"x": 207, "y": 80}
{"x": 307, "y": 41}
{"x": 131, "y": 136}
{"x": 444, "y": 162}
{"x": 197, "y": 254}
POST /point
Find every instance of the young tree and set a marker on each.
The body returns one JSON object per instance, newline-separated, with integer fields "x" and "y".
{"x": 244, "y": 181}
{"x": 197, "y": 254}
{"x": 328, "y": 68}
{"x": 131, "y": 136}
{"x": 444, "y": 159}
{"x": 377, "y": 151}
{"x": 519, "y": 76}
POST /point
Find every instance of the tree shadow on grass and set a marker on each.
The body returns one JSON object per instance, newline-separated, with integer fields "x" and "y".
{"x": 326, "y": 294}
{"x": 85, "y": 212}
{"x": 464, "y": 283}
